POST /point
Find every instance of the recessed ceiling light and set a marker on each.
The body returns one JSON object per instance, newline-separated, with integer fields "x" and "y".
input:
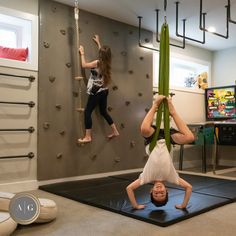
{"x": 211, "y": 29}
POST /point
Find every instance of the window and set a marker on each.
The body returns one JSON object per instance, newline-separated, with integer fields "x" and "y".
{"x": 8, "y": 37}
{"x": 185, "y": 73}
{"x": 19, "y": 30}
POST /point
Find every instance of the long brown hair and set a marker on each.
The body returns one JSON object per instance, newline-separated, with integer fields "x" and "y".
{"x": 104, "y": 63}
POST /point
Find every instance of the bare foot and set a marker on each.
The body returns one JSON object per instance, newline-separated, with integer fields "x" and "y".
{"x": 84, "y": 140}
{"x": 113, "y": 135}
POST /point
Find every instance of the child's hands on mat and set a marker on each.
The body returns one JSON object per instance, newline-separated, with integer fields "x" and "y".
{"x": 180, "y": 207}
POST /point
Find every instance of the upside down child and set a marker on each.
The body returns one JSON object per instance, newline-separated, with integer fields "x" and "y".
{"x": 159, "y": 167}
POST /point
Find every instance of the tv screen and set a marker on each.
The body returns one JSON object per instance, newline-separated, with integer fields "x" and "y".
{"x": 220, "y": 103}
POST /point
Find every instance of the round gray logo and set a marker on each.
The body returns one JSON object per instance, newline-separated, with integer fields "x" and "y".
{"x": 24, "y": 208}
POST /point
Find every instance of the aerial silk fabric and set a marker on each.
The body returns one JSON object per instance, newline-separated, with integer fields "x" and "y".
{"x": 163, "y": 88}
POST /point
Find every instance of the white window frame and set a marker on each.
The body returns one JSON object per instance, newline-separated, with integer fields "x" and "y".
{"x": 32, "y": 62}
{"x": 181, "y": 57}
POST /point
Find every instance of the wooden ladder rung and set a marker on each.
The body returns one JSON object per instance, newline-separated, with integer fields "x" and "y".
{"x": 80, "y": 109}
{"x": 78, "y": 77}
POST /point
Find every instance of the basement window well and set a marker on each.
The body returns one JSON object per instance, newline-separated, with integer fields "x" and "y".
{"x": 185, "y": 73}
{"x": 18, "y": 39}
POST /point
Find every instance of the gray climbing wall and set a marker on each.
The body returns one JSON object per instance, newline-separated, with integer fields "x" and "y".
{"x": 130, "y": 95}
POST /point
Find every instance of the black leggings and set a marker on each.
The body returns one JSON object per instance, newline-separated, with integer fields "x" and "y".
{"x": 94, "y": 100}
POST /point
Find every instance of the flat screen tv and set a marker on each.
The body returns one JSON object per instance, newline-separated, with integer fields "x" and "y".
{"x": 220, "y": 103}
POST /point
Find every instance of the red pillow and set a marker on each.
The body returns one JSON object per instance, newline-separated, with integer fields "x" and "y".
{"x": 19, "y": 54}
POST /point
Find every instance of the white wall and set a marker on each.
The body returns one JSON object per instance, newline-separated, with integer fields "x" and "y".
{"x": 224, "y": 73}
{"x": 28, "y": 6}
{"x": 224, "y": 69}
{"x": 18, "y": 174}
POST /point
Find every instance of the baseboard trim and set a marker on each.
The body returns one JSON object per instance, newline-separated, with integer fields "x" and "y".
{"x": 83, "y": 177}
{"x": 22, "y": 186}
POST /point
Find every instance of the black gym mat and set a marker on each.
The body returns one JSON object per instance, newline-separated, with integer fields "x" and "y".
{"x": 110, "y": 193}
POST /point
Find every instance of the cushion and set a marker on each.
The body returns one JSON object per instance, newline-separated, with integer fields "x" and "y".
{"x": 7, "y": 224}
{"x": 19, "y": 54}
{"x": 48, "y": 208}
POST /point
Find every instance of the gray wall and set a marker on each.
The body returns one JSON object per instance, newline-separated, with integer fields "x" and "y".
{"x": 224, "y": 72}
{"x": 59, "y": 155}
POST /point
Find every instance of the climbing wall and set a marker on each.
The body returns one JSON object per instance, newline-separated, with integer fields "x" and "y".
{"x": 130, "y": 94}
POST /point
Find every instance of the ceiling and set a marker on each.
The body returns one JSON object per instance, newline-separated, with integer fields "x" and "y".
{"x": 127, "y": 11}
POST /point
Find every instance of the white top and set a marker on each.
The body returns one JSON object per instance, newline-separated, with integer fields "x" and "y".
{"x": 159, "y": 165}
{"x": 95, "y": 83}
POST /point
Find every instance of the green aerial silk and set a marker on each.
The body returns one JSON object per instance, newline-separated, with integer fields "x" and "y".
{"x": 163, "y": 88}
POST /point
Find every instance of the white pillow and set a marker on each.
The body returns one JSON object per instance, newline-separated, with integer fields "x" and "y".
{"x": 7, "y": 224}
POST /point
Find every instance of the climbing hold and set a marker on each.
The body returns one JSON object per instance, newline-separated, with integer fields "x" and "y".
{"x": 140, "y": 94}
{"x": 63, "y": 32}
{"x": 75, "y": 94}
{"x": 58, "y": 106}
{"x": 117, "y": 159}
{"x": 59, "y": 155}
{"x": 130, "y": 72}
{"x": 62, "y": 132}
{"x": 132, "y": 144}
{"x": 52, "y": 78}
{"x": 46, "y": 45}
{"x": 114, "y": 87}
{"x": 109, "y": 108}
{"x": 127, "y": 103}
{"x": 122, "y": 125}
{"x": 123, "y": 53}
{"x": 54, "y": 9}
{"x": 68, "y": 64}
{"x": 93, "y": 157}
{"x": 46, "y": 125}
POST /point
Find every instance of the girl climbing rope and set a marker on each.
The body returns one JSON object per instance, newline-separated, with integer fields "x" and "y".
{"x": 97, "y": 88}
